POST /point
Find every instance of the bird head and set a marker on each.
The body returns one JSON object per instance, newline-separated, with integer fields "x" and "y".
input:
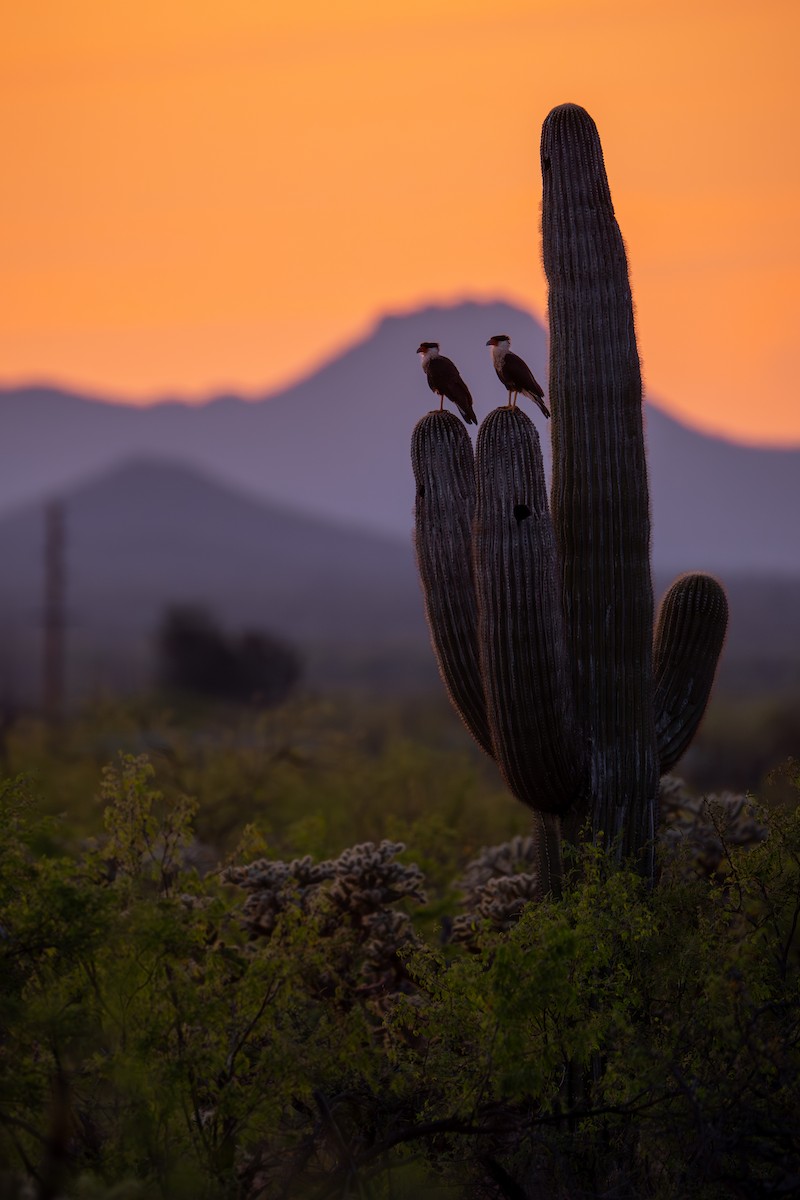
{"x": 499, "y": 339}
{"x": 428, "y": 348}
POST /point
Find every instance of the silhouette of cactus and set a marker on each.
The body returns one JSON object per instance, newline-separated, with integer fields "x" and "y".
{"x": 542, "y": 618}
{"x": 688, "y": 641}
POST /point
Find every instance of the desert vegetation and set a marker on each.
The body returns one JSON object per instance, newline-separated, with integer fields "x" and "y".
{"x": 195, "y": 657}
{"x": 303, "y": 951}
{"x": 348, "y": 985}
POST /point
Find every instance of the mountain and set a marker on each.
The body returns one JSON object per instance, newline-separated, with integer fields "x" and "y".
{"x": 335, "y": 445}
{"x": 151, "y": 533}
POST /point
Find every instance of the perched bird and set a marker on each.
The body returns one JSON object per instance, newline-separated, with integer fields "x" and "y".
{"x": 445, "y": 381}
{"x": 515, "y": 374}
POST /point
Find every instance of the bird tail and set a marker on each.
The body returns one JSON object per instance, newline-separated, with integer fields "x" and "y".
{"x": 538, "y": 400}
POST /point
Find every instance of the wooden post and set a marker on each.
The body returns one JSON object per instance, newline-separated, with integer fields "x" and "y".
{"x": 53, "y": 672}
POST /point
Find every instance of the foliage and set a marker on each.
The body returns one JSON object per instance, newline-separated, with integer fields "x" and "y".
{"x": 160, "y": 1039}
{"x": 313, "y": 775}
{"x": 197, "y": 657}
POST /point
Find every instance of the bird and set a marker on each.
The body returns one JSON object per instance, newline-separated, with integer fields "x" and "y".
{"x": 514, "y": 373}
{"x": 445, "y": 381}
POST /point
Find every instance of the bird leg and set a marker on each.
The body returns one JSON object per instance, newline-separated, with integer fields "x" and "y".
{"x": 441, "y": 401}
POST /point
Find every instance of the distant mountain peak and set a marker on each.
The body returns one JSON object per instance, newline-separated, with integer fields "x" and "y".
{"x": 336, "y": 444}
{"x": 461, "y": 310}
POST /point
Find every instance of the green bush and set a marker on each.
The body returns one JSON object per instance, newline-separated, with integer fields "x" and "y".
{"x": 305, "y": 1029}
{"x": 315, "y": 775}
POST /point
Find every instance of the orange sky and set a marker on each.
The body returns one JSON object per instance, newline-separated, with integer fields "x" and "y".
{"x": 209, "y": 193}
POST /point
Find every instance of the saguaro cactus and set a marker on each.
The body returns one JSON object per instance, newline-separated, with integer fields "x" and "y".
{"x": 542, "y": 618}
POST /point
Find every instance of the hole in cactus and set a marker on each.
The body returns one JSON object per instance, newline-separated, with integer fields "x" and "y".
{"x": 521, "y": 511}
{"x": 421, "y": 490}
{"x": 546, "y": 163}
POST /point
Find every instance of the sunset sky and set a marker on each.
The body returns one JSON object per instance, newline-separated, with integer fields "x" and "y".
{"x": 207, "y": 194}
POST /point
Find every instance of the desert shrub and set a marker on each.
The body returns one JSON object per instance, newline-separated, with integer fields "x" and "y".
{"x": 299, "y": 1028}
{"x": 315, "y": 775}
{"x": 196, "y": 656}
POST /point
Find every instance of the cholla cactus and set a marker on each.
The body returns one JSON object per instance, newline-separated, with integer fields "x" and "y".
{"x": 515, "y": 857}
{"x": 497, "y": 885}
{"x": 276, "y": 886}
{"x": 542, "y": 615}
{"x": 367, "y": 879}
{"x": 355, "y": 890}
{"x": 499, "y": 901}
{"x": 696, "y": 833}
{"x": 698, "y": 830}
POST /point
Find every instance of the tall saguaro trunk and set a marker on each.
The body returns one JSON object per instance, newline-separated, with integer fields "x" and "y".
{"x": 599, "y": 497}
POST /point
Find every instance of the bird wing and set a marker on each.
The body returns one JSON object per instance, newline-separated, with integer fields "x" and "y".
{"x": 519, "y": 375}
{"x": 444, "y": 378}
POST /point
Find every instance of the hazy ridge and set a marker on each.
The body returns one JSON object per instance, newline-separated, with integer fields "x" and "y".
{"x": 294, "y": 514}
{"x": 336, "y": 445}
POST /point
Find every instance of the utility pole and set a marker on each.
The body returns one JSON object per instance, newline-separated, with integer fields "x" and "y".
{"x": 54, "y": 622}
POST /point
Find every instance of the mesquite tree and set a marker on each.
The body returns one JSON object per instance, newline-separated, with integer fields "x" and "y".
{"x": 541, "y": 616}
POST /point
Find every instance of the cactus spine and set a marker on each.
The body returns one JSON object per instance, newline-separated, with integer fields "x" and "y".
{"x": 543, "y": 626}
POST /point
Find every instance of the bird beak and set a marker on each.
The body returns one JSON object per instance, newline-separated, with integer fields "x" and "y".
{"x": 489, "y": 343}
